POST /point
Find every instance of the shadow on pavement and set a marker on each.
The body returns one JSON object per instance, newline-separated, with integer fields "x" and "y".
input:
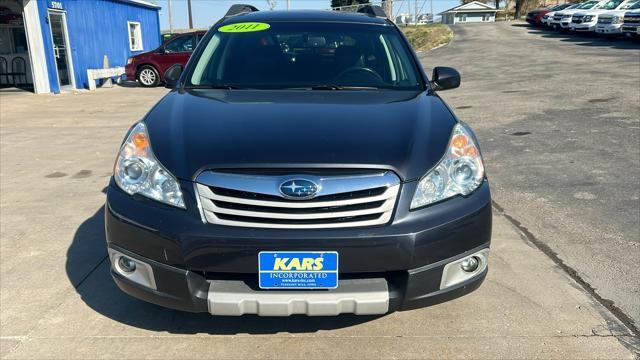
{"x": 583, "y": 39}
{"x": 87, "y": 268}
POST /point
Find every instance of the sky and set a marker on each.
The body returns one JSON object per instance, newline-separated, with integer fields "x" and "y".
{"x": 207, "y": 12}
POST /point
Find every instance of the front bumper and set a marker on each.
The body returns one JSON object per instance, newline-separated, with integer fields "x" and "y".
{"x": 130, "y": 71}
{"x": 189, "y": 291}
{"x": 192, "y": 262}
{"x": 609, "y": 29}
{"x": 584, "y": 27}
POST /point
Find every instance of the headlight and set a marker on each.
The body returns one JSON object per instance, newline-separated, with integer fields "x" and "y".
{"x": 137, "y": 171}
{"x": 617, "y": 20}
{"x": 129, "y": 61}
{"x": 459, "y": 172}
{"x": 587, "y": 18}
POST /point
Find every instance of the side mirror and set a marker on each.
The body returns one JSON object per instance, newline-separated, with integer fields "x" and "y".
{"x": 160, "y": 50}
{"x": 172, "y": 76}
{"x": 444, "y": 78}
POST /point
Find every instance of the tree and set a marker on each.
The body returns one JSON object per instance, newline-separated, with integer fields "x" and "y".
{"x": 523, "y": 6}
{"x": 339, "y": 3}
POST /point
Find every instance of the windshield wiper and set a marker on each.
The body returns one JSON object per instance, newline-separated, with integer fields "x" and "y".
{"x": 215, "y": 86}
{"x": 332, "y": 87}
{"x": 338, "y": 87}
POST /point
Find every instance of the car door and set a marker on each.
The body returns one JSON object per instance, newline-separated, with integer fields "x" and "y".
{"x": 176, "y": 51}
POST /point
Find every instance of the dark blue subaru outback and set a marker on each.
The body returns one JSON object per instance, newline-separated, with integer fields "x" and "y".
{"x": 302, "y": 164}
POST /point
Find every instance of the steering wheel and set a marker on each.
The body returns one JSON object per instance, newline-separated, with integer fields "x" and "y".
{"x": 355, "y": 70}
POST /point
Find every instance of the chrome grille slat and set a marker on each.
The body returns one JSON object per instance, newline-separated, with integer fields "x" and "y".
{"x": 209, "y": 206}
{"x": 379, "y": 221}
{"x": 207, "y": 193}
{"x": 250, "y": 201}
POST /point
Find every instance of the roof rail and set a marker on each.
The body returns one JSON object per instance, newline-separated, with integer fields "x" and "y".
{"x": 238, "y": 9}
{"x": 372, "y": 10}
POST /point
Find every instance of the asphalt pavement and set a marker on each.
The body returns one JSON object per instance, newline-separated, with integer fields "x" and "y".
{"x": 57, "y": 299}
{"x": 558, "y": 118}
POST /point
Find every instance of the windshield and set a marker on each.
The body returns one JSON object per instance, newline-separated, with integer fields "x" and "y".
{"x": 609, "y": 5}
{"x": 630, "y": 5}
{"x": 587, "y": 5}
{"x": 285, "y": 55}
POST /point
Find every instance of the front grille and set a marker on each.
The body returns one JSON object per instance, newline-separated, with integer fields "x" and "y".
{"x": 577, "y": 19}
{"x": 602, "y": 20}
{"x": 251, "y": 200}
{"x": 632, "y": 20}
{"x": 557, "y": 17}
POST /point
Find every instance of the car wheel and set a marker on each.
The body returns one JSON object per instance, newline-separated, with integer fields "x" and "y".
{"x": 148, "y": 76}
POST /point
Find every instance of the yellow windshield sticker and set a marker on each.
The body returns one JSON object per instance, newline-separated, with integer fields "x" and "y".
{"x": 244, "y": 27}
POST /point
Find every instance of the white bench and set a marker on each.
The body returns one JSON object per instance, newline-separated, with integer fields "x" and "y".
{"x": 94, "y": 74}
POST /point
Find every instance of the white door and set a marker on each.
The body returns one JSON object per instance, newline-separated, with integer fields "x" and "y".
{"x": 61, "y": 49}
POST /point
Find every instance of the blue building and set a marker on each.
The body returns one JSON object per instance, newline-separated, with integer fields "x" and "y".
{"x": 48, "y": 45}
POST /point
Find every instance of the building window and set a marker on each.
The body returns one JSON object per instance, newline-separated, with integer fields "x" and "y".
{"x": 13, "y": 40}
{"x": 135, "y": 36}
{"x": 486, "y": 17}
{"x": 462, "y": 17}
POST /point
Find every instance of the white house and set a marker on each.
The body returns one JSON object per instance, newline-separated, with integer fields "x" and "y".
{"x": 474, "y": 11}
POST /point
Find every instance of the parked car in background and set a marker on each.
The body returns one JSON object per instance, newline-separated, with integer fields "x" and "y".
{"x": 586, "y": 20}
{"x": 166, "y": 37}
{"x": 534, "y": 17}
{"x": 610, "y": 23}
{"x": 631, "y": 24}
{"x": 149, "y": 68}
{"x": 562, "y": 19}
{"x": 546, "y": 18}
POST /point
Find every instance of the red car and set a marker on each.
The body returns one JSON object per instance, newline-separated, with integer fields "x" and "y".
{"x": 534, "y": 17}
{"x": 149, "y": 68}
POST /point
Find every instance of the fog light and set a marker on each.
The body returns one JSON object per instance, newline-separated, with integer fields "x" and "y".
{"x": 127, "y": 265}
{"x": 470, "y": 264}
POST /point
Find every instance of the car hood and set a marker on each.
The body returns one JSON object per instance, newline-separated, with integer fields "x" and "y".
{"x": 568, "y": 12}
{"x": 538, "y": 11}
{"x": 406, "y": 132}
{"x": 592, "y": 12}
{"x": 144, "y": 54}
{"x": 612, "y": 13}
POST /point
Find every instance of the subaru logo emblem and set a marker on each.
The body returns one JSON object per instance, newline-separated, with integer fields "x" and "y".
{"x": 299, "y": 189}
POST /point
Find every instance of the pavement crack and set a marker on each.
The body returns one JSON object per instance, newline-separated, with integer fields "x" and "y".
{"x": 76, "y": 286}
{"x": 573, "y": 274}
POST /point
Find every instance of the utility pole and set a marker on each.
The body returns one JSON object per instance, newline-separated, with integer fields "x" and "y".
{"x": 415, "y": 17}
{"x": 288, "y": 5}
{"x": 433, "y": 17}
{"x": 170, "y": 18}
{"x": 190, "y": 15}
